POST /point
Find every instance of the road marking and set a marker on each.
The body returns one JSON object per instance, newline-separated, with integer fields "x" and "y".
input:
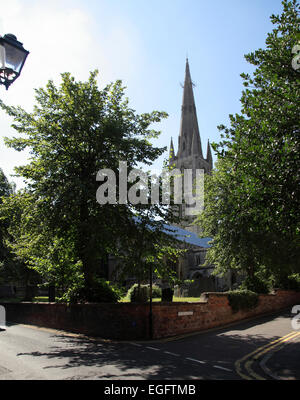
{"x": 187, "y": 358}
{"x": 193, "y": 359}
{"x": 152, "y": 348}
{"x": 258, "y": 352}
{"x": 172, "y": 354}
{"x": 275, "y": 346}
{"x": 239, "y": 362}
{"x": 225, "y": 369}
{"x": 266, "y": 369}
{"x": 251, "y": 373}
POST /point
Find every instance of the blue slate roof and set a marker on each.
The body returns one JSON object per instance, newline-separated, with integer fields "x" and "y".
{"x": 184, "y": 236}
{"x": 188, "y": 237}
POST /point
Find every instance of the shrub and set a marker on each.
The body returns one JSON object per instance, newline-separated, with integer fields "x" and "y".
{"x": 156, "y": 292}
{"x": 101, "y": 291}
{"x": 291, "y": 282}
{"x": 242, "y": 299}
{"x": 256, "y": 284}
{"x": 130, "y": 290}
{"x": 188, "y": 281}
{"x": 138, "y": 294}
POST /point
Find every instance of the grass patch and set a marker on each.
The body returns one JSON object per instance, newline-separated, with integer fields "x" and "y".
{"x": 126, "y": 299}
{"x": 43, "y": 299}
{"x": 11, "y": 300}
{"x": 36, "y": 299}
{"x": 189, "y": 299}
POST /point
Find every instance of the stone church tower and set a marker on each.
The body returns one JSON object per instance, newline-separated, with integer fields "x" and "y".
{"x": 189, "y": 154}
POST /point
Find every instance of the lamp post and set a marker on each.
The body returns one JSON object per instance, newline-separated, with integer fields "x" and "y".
{"x": 12, "y": 59}
{"x": 150, "y": 304}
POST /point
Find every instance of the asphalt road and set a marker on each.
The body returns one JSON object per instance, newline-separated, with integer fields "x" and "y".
{"x": 266, "y": 348}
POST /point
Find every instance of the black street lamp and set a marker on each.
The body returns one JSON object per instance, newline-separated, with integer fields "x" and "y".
{"x": 12, "y": 59}
{"x": 150, "y": 304}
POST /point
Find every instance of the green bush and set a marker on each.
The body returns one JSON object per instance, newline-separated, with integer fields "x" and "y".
{"x": 256, "y": 284}
{"x": 101, "y": 291}
{"x": 242, "y": 299}
{"x": 156, "y": 292}
{"x": 188, "y": 281}
{"x": 140, "y": 297}
{"x": 291, "y": 282}
{"x": 138, "y": 294}
{"x": 130, "y": 290}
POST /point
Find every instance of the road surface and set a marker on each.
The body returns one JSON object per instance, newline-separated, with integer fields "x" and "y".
{"x": 264, "y": 348}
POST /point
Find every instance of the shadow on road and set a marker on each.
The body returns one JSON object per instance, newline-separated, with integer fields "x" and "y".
{"x": 114, "y": 360}
{"x": 123, "y": 360}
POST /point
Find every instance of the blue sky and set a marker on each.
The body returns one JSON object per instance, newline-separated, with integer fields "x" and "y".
{"x": 144, "y": 43}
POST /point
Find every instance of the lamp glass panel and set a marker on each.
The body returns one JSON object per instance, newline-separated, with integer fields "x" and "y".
{"x": 2, "y": 56}
{"x": 14, "y": 57}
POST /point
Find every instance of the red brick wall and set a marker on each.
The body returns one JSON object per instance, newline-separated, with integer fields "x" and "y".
{"x": 113, "y": 321}
{"x": 130, "y": 321}
{"x": 212, "y": 312}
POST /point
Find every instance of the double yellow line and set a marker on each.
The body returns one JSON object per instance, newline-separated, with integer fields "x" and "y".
{"x": 249, "y": 359}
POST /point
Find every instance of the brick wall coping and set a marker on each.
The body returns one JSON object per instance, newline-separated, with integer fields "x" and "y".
{"x": 129, "y": 321}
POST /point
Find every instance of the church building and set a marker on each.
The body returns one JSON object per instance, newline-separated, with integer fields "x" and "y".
{"x": 189, "y": 154}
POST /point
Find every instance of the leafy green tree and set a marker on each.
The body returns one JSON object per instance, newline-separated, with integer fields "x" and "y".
{"x": 252, "y": 199}
{"x": 150, "y": 246}
{"x": 74, "y": 131}
{"x": 12, "y": 268}
{"x": 5, "y": 190}
{"x": 149, "y": 242}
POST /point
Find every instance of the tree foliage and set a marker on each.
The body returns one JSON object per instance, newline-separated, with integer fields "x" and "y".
{"x": 6, "y": 189}
{"x": 150, "y": 243}
{"x": 12, "y": 267}
{"x": 74, "y": 131}
{"x": 252, "y": 199}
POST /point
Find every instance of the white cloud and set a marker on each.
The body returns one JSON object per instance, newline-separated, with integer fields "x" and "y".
{"x": 58, "y": 40}
{"x": 62, "y": 38}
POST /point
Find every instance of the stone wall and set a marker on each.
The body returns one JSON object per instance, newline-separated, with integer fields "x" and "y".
{"x": 128, "y": 321}
{"x": 196, "y": 287}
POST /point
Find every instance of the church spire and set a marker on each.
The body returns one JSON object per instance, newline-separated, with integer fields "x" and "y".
{"x": 189, "y": 123}
{"x": 172, "y": 152}
{"x": 195, "y": 146}
{"x": 209, "y": 156}
{"x": 189, "y": 154}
